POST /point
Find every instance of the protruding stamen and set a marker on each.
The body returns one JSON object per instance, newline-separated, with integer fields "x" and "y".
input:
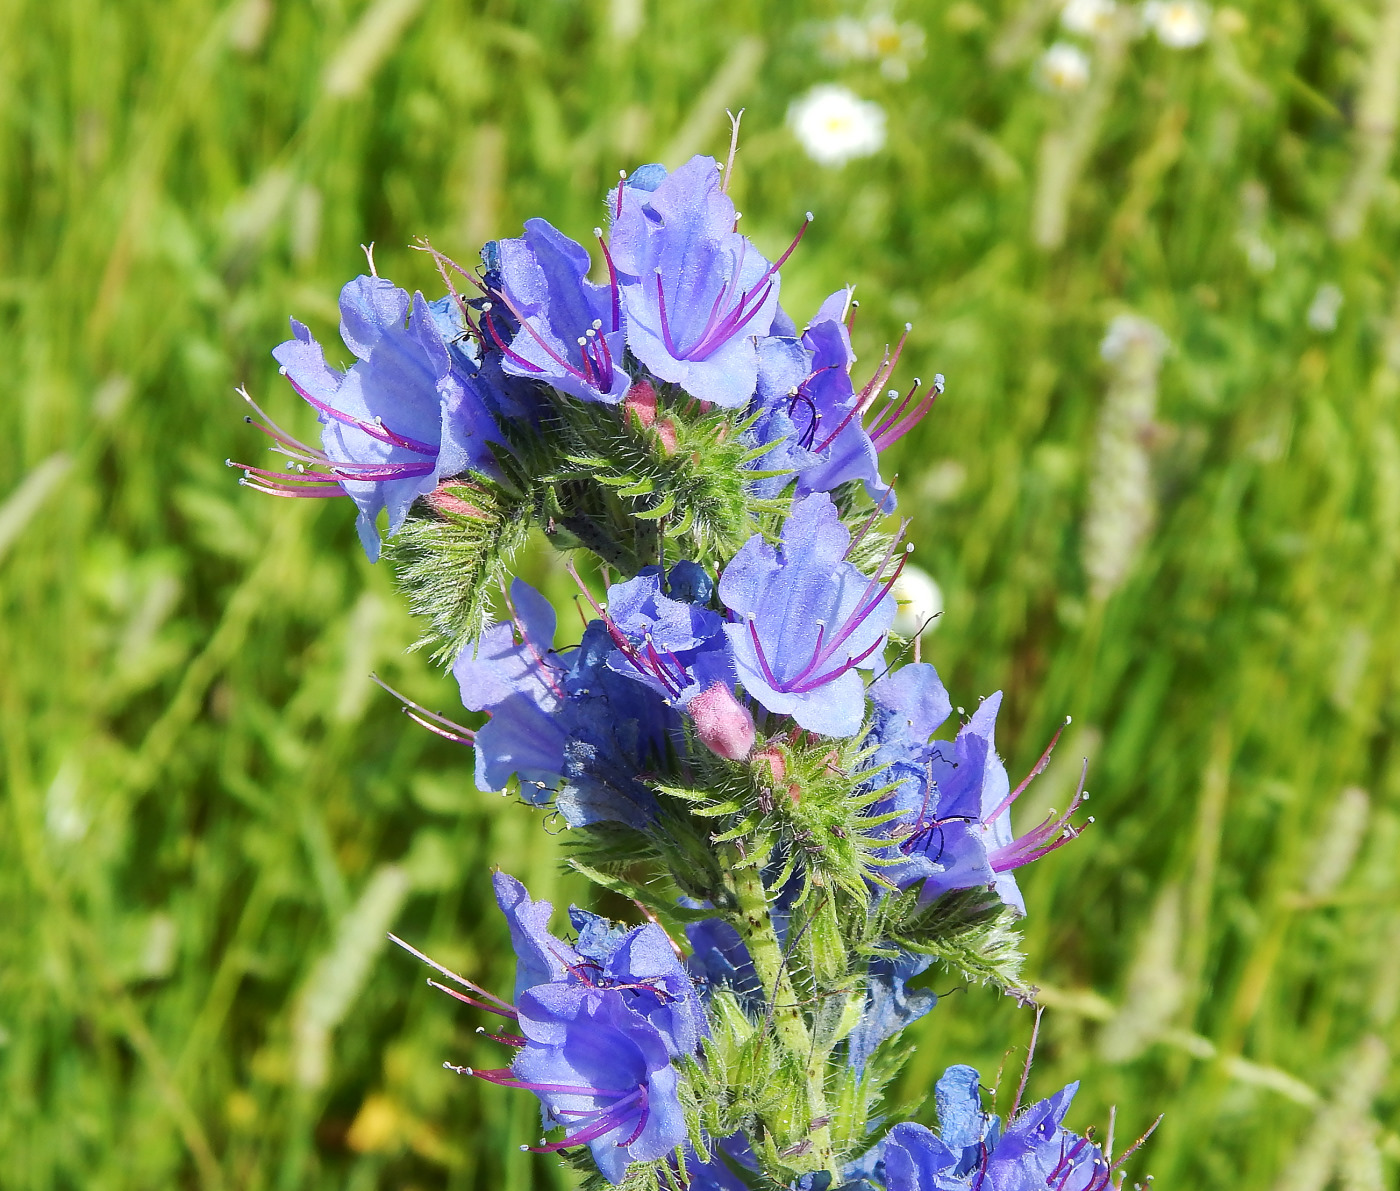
{"x": 437, "y": 724}
{"x": 505, "y": 1008}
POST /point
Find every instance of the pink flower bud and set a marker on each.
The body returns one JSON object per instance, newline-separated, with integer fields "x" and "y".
{"x": 446, "y": 500}
{"x": 723, "y": 724}
{"x": 666, "y": 432}
{"x": 772, "y": 757}
{"x": 641, "y": 400}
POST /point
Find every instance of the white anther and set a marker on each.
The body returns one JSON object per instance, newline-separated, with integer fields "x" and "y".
{"x": 582, "y": 342}
{"x": 908, "y": 547}
{"x": 486, "y": 307}
{"x": 1090, "y": 819}
{"x": 908, "y": 326}
{"x": 282, "y": 372}
{"x": 597, "y": 231}
{"x": 893, "y": 393}
{"x": 810, "y": 217}
{"x": 481, "y": 1029}
{"x": 597, "y": 324}
{"x": 738, "y": 215}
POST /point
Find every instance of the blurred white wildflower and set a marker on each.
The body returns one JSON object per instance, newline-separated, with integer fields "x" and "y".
{"x": 1088, "y": 17}
{"x": 1120, "y": 508}
{"x": 1064, "y": 68}
{"x": 875, "y": 38}
{"x": 1326, "y": 306}
{"x": 836, "y": 125}
{"x": 919, "y": 601}
{"x": 1179, "y": 24}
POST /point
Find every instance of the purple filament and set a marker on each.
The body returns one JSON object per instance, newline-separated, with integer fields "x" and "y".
{"x": 719, "y": 327}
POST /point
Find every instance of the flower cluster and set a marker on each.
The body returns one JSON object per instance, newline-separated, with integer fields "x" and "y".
{"x": 735, "y": 742}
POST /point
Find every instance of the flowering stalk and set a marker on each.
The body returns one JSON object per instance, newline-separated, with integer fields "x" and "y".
{"x": 735, "y": 742}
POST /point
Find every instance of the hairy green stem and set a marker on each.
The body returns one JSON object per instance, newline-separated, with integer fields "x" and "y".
{"x": 755, "y": 925}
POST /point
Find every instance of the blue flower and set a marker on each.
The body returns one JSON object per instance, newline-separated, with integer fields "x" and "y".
{"x": 971, "y": 1150}
{"x": 818, "y": 426}
{"x": 571, "y": 333}
{"x": 695, "y": 291}
{"x": 673, "y": 645}
{"x": 719, "y": 958}
{"x": 561, "y": 722}
{"x": 806, "y": 620}
{"x": 402, "y": 417}
{"x": 637, "y": 966}
{"x": 953, "y": 799}
{"x": 889, "y": 1005}
{"x": 600, "y": 1022}
{"x": 602, "y": 1073}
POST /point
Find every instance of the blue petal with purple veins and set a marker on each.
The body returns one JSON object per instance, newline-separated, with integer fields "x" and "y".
{"x": 602, "y": 1073}
{"x": 540, "y": 958}
{"x": 806, "y": 621}
{"x": 571, "y": 332}
{"x": 403, "y": 415}
{"x": 696, "y": 292}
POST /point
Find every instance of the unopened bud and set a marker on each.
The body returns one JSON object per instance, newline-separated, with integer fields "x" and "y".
{"x": 641, "y": 400}
{"x": 772, "y": 757}
{"x": 722, "y": 723}
{"x": 448, "y": 500}
{"x": 666, "y": 432}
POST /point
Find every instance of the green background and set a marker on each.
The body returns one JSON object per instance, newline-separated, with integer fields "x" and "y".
{"x": 211, "y": 816}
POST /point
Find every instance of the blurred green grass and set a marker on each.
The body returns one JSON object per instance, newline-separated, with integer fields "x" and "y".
{"x": 211, "y": 816}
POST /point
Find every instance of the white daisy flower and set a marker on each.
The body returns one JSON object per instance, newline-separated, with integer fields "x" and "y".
{"x": 895, "y": 43}
{"x": 876, "y": 38}
{"x": 1088, "y": 18}
{"x": 1064, "y": 68}
{"x": 1179, "y": 24}
{"x": 835, "y": 125}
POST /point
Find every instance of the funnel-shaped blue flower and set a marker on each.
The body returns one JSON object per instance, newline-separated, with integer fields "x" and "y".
{"x": 696, "y": 292}
{"x": 402, "y": 417}
{"x": 602, "y": 1073}
{"x": 638, "y": 966}
{"x": 953, "y": 798}
{"x": 1034, "y": 1151}
{"x": 562, "y": 722}
{"x": 571, "y": 332}
{"x": 806, "y": 620}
